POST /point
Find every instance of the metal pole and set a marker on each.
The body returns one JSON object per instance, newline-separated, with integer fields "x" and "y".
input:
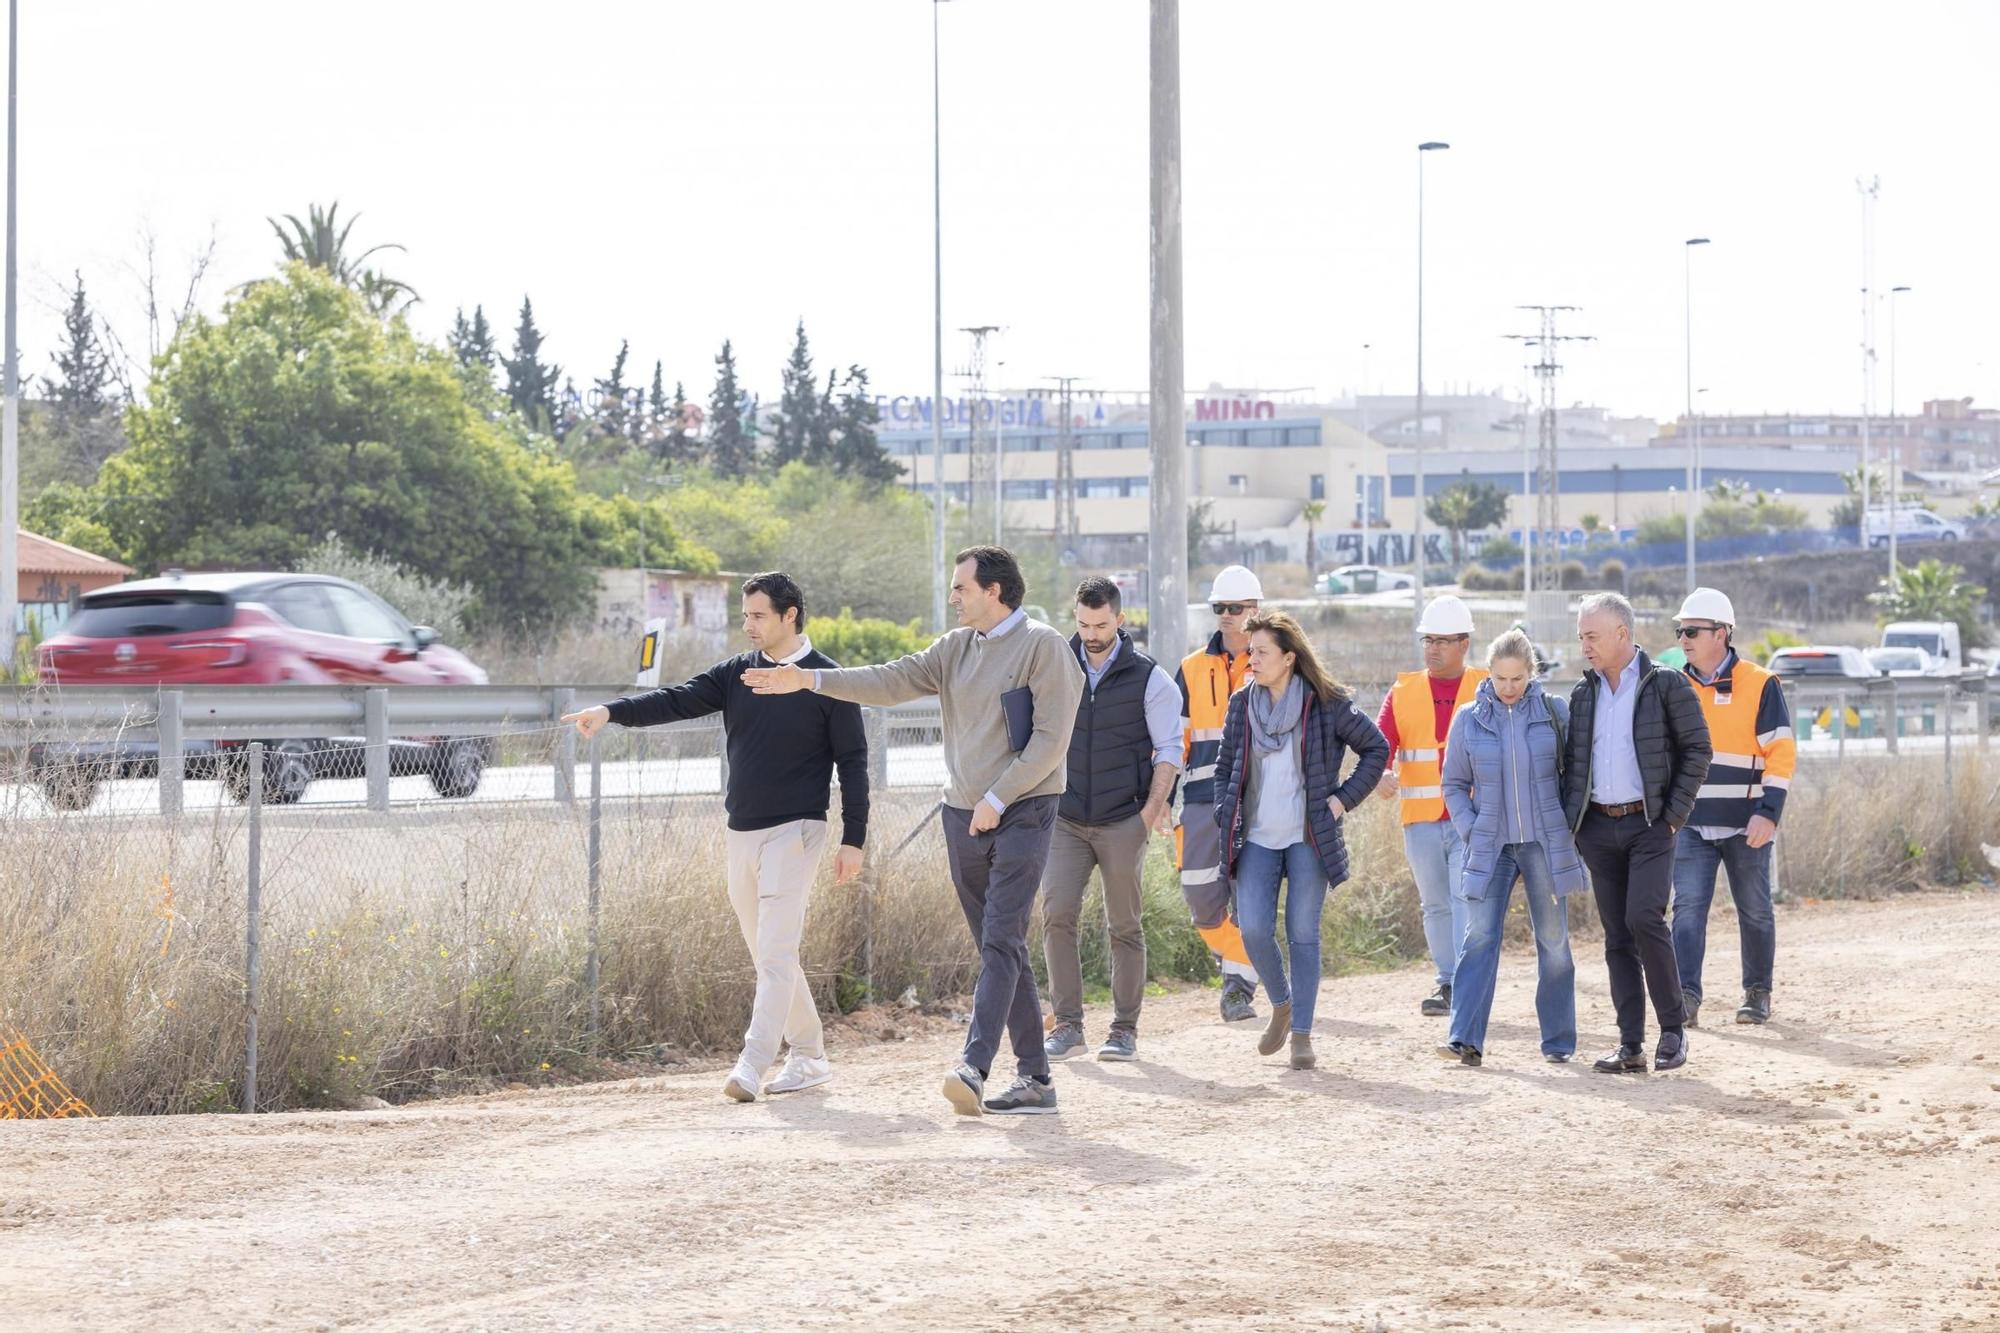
{"x": 253, "y": 929}
{"x": 596, "y": 881}
{"x": 1693, "y": 442}
{"x": 1000, "y": 469}
{"x": 375, "y": 754}
{"x": 1899, "y": 434}
{"x": 1417, "y": 588}
{"x": 939, "y": 578}
{"x": 10, "y": 412}
{"x": 1867, "y": 190}
{"x": 173, "y": 761}
{"x": 1167, "y": 590}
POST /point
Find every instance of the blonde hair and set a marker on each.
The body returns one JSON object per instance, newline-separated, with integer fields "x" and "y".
{"x": 1514, "y": 645}
{"x": 1291, "y": 638}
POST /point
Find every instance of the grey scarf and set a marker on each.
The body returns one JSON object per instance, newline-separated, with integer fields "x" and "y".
{"x": 1271, "y": 723}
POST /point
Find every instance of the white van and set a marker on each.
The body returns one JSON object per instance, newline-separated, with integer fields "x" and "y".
{"x": 1939, "y": 638}
{"x": 1912, "y": 525}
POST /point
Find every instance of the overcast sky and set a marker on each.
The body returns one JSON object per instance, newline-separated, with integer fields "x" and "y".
{"x": 674, "y": 173}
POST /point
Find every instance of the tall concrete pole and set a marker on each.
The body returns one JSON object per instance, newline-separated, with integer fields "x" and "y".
{"x": 940, "y": 575}
{"x": 1167, "y": 599}
{"x": 1693, "y": 441}
{"x": 10, "y": 414}
{"x": 1417, "y": 597}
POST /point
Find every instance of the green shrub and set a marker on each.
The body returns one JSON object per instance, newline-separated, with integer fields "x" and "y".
{"x": 866, "y": 642}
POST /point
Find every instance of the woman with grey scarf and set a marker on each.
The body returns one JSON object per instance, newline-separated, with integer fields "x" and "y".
{"x": 1280, "y": 802}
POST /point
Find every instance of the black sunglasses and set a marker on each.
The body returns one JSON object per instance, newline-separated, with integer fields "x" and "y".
{"x": 1230, "y": 608}
{"x": 1696, "y": 631}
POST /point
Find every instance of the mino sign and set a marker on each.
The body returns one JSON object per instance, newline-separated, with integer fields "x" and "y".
{"x": 1234, "y": 409}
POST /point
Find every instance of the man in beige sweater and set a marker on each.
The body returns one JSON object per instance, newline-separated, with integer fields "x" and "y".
{"x": 999, "y": 802}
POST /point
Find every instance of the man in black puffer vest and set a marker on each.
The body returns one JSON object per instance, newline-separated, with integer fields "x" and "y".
{"x": 1123, "y": 758}
{"x": 1638, "y": 750}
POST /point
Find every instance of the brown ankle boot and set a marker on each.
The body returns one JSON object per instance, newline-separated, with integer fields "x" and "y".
{"x": 1302, "y": 1051}
{"x": 1275, "y": 1030}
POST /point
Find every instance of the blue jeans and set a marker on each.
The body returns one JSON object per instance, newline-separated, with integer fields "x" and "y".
{"x": 1437, "y": 860}
{"x": 1696, "y": 860}
{"x": 1479, "y": 958}
{"x": 1258, "y": 870}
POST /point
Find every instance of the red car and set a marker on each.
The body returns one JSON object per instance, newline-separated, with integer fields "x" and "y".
{"x": 252, "y": 629}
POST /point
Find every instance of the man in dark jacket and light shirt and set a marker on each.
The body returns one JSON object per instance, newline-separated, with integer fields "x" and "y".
{"x": 782, "y": 756}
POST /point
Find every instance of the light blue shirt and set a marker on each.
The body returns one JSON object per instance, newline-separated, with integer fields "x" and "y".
{"x": 1163, "y": 704}
{"x": 1614, "y": 756}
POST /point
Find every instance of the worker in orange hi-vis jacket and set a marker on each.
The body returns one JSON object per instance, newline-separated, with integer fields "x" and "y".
{"x": 1416, "y": 719}
{"x": 1207, "y": 678}
{"x": 1736, "y": 812}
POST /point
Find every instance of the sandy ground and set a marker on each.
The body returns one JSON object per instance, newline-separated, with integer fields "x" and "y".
{"x": 1837, "y": 1169}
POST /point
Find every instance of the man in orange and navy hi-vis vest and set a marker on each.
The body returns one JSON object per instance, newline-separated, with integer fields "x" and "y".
{"x": 1207, "y": 679}
{"x": 1736, "y": 812}
{"x": 1416, "y": 719}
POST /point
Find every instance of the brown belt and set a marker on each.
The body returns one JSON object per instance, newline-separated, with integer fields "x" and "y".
{"x": 1619, "y": 811}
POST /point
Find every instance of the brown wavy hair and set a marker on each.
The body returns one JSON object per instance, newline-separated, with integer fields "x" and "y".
{"x": 1291, "y": 638}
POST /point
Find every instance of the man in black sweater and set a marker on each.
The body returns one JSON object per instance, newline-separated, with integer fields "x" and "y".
{"x": 782, "y": 756}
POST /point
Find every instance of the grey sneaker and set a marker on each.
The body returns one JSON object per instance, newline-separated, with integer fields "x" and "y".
{"x": 1438, "y": 1003}
{"x": 1236, "y": 1006}
{"x": 965, "y": 1089}
{"x": 1120, "y": 1044}
{"x": 1065, "y": 1041}
{"x": 1024, "y": 1097}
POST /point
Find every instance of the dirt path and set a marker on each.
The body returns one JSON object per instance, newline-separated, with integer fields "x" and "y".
{"x": 1838, "y": 1169}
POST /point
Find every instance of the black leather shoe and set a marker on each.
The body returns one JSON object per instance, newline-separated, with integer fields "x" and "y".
{"x": 1629, "y": 1059}
{"x": 1756, "y": 1006}
{"x": 1459, "y": 1051}
{"x": 1672, "y": 1052}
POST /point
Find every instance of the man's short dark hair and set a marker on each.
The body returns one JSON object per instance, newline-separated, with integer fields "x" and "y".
{"x": 1098, "y": 592}
{"x": 996, "y": 564}
{"x": 783, "y": 592}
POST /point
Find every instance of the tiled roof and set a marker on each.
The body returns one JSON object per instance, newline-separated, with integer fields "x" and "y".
{"x": 42, "y": 555}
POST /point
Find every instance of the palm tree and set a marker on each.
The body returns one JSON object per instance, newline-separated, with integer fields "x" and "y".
{"x": 321, "y": 242}
{"x": 1932, "y": 590}
{"x": 1312, "y": 511}
{"x": 1466, "y": 506}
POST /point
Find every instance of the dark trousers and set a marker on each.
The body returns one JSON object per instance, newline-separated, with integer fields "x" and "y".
{"x": 997, "y": 875}
{"x": 1632, "y": 874}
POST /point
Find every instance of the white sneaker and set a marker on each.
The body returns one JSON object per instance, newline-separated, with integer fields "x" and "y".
{"x": 741, "y": 1085}
{"x": 801, "y": 1072}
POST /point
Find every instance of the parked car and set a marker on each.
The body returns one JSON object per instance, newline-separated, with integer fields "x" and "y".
{"x": 1363, "y": 579}
{"x": 251, "y": 629}
{"x": 1820, "y": 662}
{"x": 1901, "y": 662}
{"x": 1912, "y": 524}
{"x": 1939, "y": 638}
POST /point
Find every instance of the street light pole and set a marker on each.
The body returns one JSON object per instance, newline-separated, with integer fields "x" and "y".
{"x": 1167, "y": 513}
{"x": 938, "y": 576}
{"x": 1897, "y": 435}
{"x": 1694, "y": 432}
{"x": 1417, "y": 588}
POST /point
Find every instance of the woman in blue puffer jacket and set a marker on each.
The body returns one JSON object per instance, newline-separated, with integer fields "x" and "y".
{"x": 1502, "y": 789}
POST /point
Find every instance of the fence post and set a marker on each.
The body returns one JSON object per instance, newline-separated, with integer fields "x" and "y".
{"x": 254, "y": 928}
{"x": 1894, "y": 733}
{"x": 591, "y": 963}
{"x": 875, "y": 724}
{"x": 1950, "y": 792}
{"x": 1982, "y": 710}
{"x": 375, "y": 761}
{"x": 563, "y": 701}
{"x": 173, "y": 753}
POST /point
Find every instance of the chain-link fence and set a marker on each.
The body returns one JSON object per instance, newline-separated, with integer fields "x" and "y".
{"x": 546, "y": 923}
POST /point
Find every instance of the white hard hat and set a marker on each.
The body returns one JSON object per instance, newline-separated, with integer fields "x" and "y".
{"x": 1236, "y": 584}
{"x": 1445, "y": 615}
{"x": 1707, "y": 604}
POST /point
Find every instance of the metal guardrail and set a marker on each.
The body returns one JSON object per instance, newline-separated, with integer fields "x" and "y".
{"x": 170, "y": 720}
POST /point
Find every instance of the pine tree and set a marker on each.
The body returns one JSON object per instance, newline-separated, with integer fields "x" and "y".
{"x": 680, "y": 448}
{"x": 83, "y": 365}
{"x": 530, "y": 384}
{"x": 798, "y": 405}
{"x": 731, "y": 451}
{"x": 653, "y": 431}
{"x": 472, "y": 341}
{"x": 826, "y": 420}
{"x": 614, "y": 415}
{"x": 856, "y": 451}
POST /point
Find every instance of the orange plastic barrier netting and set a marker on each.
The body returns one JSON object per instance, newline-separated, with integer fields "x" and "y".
{"x": 30, "y": 1090}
